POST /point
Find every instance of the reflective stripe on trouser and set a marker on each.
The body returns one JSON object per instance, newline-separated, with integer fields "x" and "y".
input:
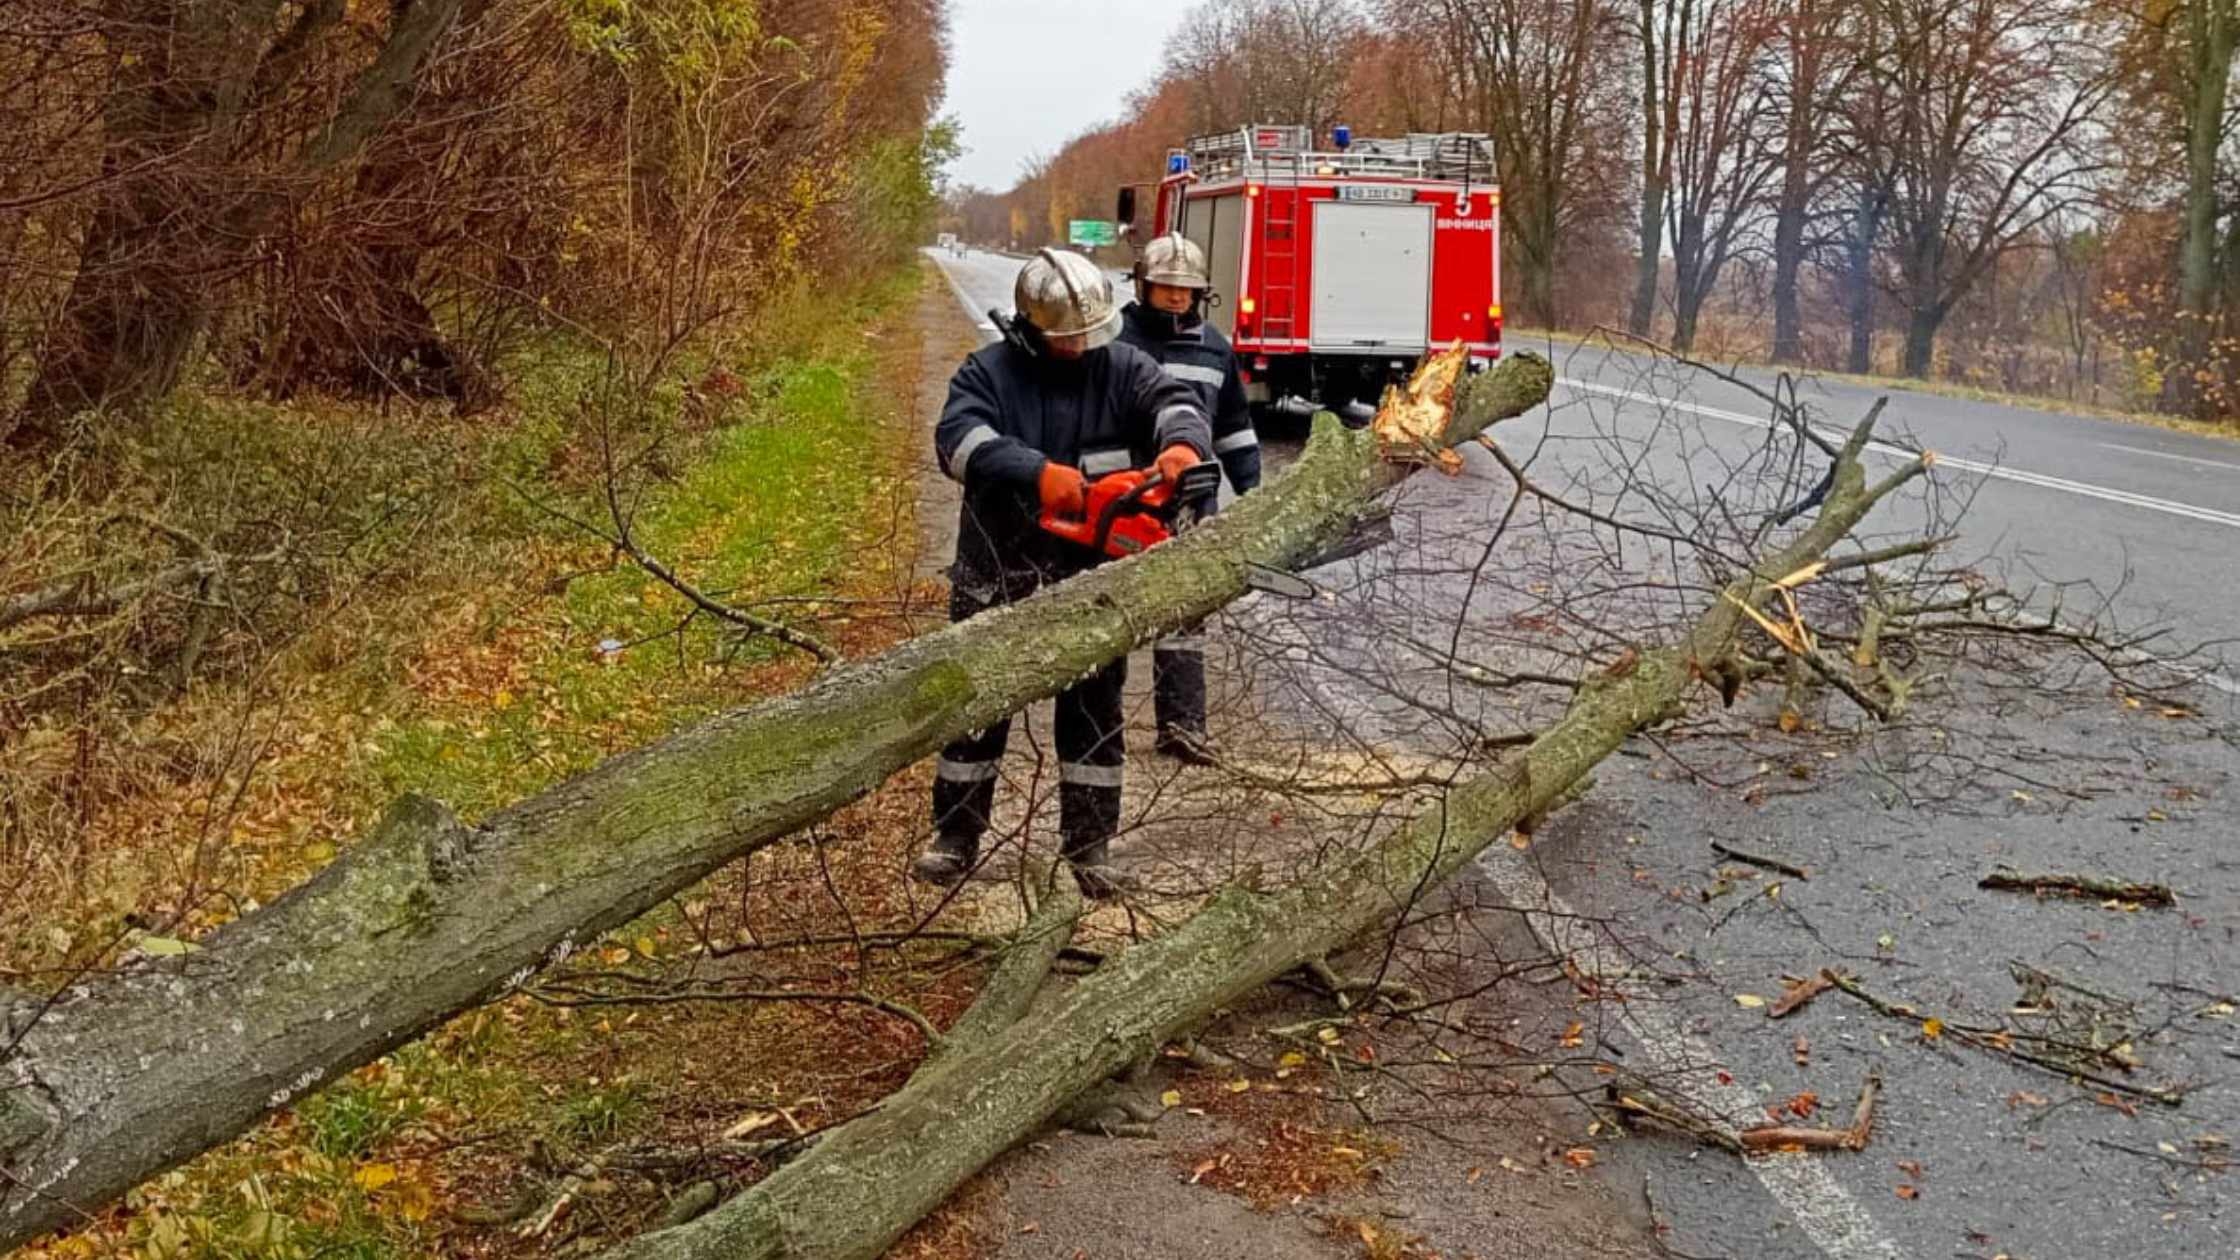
{"x": 1178, "y": 680}
{"x": 1092, "y": 747}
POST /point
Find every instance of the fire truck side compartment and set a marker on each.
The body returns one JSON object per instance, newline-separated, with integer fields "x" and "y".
{"x": 1372, "y": 277}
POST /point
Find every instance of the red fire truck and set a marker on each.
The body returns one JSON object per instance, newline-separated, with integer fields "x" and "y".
{"x": 1335, "y": 268}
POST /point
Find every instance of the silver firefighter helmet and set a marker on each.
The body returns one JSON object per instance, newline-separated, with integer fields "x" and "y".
{"x": 1068, "y": 299}
{"x": 1173, "y": 259}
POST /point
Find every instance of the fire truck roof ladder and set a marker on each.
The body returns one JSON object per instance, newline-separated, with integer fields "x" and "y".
{"x": 1265, "y": 153}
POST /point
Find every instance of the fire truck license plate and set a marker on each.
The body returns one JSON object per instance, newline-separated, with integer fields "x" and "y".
{"x": 1374, "y": 192}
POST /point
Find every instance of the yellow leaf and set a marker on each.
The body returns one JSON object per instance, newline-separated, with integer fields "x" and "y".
{"x": 416, "y": 1200}
{"x": 1932, "y": 1028}
{"x": 1172, "y": 1098}
{"x": 1239, "y": 1085}
{"x": 372, "y": 1177}
{"x": 645, "y": 946}
{"x": 1749, "y": 1000}
{"x": 1291, "y": 1058}
{"x": 1327, "y": 1036}
{"x": 164, "y": 947}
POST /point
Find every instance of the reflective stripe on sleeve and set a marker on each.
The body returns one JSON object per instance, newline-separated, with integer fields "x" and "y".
{"x": 961, "y": 458}
{"x": 963, "y": 771}
{"x": 1084, "y": 775}
{"x": 1241, "y": 440}
{"x": 1194, "y": 372}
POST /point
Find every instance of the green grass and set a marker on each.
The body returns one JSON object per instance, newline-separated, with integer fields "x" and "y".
{"x": 598, "y": 1113}
{"x": 766, "y": 507}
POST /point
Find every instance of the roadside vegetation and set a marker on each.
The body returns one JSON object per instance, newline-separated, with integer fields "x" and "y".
{"x": 319, "y": 420}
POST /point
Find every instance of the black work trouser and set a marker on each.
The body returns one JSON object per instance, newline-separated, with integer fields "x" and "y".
{"x": 1092, "y": 748}
{"x": 1178, "y": 680}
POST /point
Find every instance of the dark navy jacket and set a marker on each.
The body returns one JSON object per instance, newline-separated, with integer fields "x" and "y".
{"x": 1009, "y": 410}
{"x": 1195, "y": 353}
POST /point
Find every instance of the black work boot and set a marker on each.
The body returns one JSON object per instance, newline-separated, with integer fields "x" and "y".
{"x": 1187, "y": 744}
{"x": 946, "y": 861}
{"x": 1093, "y": 871}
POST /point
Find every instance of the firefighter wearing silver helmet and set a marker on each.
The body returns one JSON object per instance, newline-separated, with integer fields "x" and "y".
{"x": 1173, "y": 260}
{"x": 1068, "y": 300}
{"x": 1166, "y": 321}
{"x": 1029, "y": 421}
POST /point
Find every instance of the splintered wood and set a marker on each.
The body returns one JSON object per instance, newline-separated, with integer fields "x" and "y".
{"x": 1411, "y": 423}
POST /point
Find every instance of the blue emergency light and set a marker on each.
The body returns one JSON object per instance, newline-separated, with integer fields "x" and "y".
{"x": 1342, "y": 136}
{"x": 1177, "y": 163}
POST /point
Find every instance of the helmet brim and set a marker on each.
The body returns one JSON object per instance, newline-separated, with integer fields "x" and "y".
{"x": 1101, "y": 333}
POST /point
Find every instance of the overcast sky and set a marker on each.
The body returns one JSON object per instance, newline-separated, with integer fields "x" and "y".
{"x": 1027, "y": 75}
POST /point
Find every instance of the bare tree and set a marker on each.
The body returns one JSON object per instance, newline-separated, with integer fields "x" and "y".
{"x": 1282, "y": 61}
{"x": 1723, "y": 148}
{"x": 1662, "y": 30}
{"x": 177, "y": 201}
{"x": 1990, "y": 106}
{"x": 1535, "y": 77}
{"x": 1812, "y": 73}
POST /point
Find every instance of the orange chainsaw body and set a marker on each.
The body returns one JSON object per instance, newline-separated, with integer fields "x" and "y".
{"x": 1134, "y": 509}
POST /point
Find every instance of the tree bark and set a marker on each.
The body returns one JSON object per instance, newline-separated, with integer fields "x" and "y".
{"x": 136, "y": 1071}
{"x": 1656, "y": 168}
{"x": 2212, "y": 28}
{"x": 858, "y": 1190}
{"x": 1866, "y": 225}
{"x": 1921, "y": 340}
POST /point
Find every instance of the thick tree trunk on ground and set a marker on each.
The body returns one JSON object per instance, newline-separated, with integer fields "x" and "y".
{"x": 859, "y": 1189}
{"x": 132, "y": 1073}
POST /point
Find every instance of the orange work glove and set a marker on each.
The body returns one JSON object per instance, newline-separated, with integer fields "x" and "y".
{"x": 1176, "y": 460}
{"x": 1064, "y": 491}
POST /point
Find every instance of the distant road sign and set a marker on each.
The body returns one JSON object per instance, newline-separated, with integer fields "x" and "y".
{"x": 1092, "y": 232}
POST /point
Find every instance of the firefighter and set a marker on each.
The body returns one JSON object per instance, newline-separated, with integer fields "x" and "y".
{"x": 1029, "y": 420}
{"x": 1167, "y": 322}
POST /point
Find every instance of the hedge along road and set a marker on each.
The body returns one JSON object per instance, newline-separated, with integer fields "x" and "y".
{"x": 2012, "y": 1163}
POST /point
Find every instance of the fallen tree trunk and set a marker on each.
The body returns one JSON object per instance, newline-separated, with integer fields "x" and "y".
{"x": 871, "y": 1179}
{"x": 127, "y": 1074}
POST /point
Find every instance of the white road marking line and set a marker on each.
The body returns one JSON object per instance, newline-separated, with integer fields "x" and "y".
{"x": 2183, "y": 459}
{"x": 1998, "y": 472}
{"x": 963, "y": 299}
{"x": 1835, "y": 1221}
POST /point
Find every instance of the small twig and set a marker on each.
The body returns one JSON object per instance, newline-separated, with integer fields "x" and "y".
{"x": 1781, "y": 1136}
{"x": 2000, "y": 1042}
{"x": 2213, "y": 1163}
{"x": 2080, "y": 885}
{"x": 1726, "y": 850}
{"x": 568, "y": 995}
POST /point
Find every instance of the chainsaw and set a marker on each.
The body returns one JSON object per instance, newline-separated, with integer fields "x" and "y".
{"x": 1136, "y": 509}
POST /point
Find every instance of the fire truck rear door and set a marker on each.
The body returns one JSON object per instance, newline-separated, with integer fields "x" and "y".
{"x": 1372, "y": 276}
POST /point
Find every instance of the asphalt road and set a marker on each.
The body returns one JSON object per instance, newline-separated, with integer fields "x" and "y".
{"x": 1973, "y": 1155}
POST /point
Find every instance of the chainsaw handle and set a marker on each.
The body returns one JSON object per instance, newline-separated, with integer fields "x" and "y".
{"x": 1120, "y": 505}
